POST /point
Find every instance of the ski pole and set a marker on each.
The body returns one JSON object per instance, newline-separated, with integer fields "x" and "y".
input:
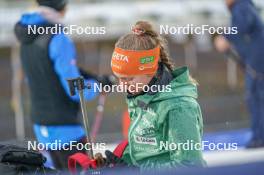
{"x": 78, "y": 83}
{"x": 99, "y": 116}
{"x": 100, "y": 110}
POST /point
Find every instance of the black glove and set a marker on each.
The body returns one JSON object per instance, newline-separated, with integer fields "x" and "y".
{"x": 109, "y": 161}
{"x": 106, "y": 80}
{"x": 111, "y": 164}
{"x": 87, "y": 75}
{"x": 113, "y": 160}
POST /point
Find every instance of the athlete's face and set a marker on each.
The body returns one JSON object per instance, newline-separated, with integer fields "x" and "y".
{"x": 134, "y": 84}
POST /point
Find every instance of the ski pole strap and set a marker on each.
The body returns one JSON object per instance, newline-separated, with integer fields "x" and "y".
{"x": 119, "y": 150}
{"x": 85, "y": 162}
{"x": 81, "y": 159}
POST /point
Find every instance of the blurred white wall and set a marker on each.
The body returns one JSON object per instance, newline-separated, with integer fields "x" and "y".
{"x": 117, "y": 16}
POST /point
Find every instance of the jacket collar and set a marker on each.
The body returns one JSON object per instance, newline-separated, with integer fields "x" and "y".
{"x": 162, "y": 77}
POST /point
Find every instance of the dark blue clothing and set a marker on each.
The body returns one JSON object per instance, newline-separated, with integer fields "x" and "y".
{"x": 63, "y": 56}
{"x": 255, "y": 103}
{"x": 249, "y": 43}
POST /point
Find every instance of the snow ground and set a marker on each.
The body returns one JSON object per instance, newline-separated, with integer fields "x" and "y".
{"x": 221, "y": 158}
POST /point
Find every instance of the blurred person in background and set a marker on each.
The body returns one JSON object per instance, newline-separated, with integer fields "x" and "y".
{"x": 249, "y": 44}
{"x": 48, "y": 60}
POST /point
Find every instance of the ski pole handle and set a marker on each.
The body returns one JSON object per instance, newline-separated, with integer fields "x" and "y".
{"x": 71, "y": 84}
{"x": 86, "y": 124}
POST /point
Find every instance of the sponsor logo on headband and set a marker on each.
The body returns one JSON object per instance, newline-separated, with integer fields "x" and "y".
{"x": 120, "y": 57}
{"x": 116, "y": 66}
{"x": 145, "y": 67}
{"x": 146, "y": 60}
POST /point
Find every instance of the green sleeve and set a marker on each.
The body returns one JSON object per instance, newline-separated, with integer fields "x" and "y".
{"x": 126, "y": 157}
{"x": 185, "y": 129}
{"x": 184, "y": 124}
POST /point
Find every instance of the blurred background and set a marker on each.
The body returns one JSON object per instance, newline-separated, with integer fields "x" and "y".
{"x": 221, "y": 82}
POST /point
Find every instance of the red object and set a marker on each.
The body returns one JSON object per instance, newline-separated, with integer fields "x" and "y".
{"x": 119, "y": 150}
{"x": 85, "y": 162}
{"x": 125, "y": 124}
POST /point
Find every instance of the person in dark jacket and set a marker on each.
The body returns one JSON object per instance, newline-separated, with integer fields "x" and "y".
{"x": 48, "y": 60}
{"x": 249, "y": 44}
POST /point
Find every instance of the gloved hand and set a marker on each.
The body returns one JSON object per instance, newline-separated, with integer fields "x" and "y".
{"x": 112, "y": 159}
{"x": 80, "y": 161}
{"x": 106, "y": 80}
{"x": 100, "y": 160}
{"x": 109, "y": 161}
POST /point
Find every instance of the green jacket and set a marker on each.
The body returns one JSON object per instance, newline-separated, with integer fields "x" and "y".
{"x": 162, "y": 120}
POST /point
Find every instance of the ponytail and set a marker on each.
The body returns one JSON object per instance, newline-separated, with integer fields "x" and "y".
{"x": 144, "y": 37}
{"x": 147, "y": 29}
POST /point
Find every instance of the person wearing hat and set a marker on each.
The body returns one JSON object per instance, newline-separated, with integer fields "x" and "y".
{"x": 48, "y": 60}
{"x": 163, "y": 110}
{"x": 249, "y": 44}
